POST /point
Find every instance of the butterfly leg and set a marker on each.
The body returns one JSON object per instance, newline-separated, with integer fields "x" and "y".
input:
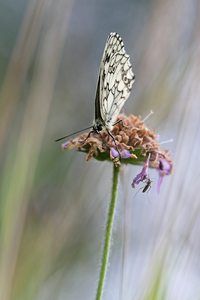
{"x": 91, "y": 131}
{"x": 110, "y": 134}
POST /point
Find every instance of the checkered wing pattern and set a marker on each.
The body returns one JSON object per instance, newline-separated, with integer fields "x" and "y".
{"x": 115, "y": 81}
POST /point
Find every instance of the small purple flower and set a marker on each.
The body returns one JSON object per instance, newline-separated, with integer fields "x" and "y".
{"x": 164, "y": 169}
{"x": 123, "y": 153}
{"x": 113, "y": 153}
{"x": 143, "y": 175}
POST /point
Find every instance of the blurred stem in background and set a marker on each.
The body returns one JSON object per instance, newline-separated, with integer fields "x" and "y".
{"x": 108, "y": 234}
{"x": 22, "y": 159}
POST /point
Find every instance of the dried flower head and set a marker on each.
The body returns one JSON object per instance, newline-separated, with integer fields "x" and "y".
{"x": 134, "y": 144}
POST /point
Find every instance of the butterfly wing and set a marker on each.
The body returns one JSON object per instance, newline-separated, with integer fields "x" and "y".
{"x": 115, "y": 81}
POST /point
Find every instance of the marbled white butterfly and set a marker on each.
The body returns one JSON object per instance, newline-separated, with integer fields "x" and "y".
{"x": 114, "y": 85}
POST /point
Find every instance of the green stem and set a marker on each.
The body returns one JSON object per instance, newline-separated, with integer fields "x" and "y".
{"x": 108, "y": 235}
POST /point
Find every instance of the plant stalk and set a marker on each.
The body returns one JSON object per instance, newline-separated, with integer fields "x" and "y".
{"x": 108, "y": 235}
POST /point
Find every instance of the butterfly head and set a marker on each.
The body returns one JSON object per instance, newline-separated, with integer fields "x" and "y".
{"x": 98, "y": 126}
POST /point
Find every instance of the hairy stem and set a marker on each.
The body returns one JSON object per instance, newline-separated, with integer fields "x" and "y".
{"x": 108, "y": 235}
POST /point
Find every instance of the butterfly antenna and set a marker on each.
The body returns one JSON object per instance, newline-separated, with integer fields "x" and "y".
{"x": 66, "y": 136}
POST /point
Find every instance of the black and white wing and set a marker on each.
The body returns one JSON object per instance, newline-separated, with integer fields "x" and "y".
{"x": 115, "y": 81}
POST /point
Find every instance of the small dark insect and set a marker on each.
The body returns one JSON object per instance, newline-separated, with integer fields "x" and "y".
{"x": 147, "y": 186}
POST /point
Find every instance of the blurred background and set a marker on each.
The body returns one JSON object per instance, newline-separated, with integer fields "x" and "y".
{"x": 53, "y": 203}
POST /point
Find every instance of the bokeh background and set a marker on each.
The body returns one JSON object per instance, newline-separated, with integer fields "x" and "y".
{"x": 53, "y": 204}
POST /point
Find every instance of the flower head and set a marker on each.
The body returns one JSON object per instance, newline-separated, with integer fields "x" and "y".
{"x": 133, "y": 143}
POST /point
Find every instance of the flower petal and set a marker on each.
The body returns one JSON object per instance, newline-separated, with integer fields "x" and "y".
{"x": 125, "y": 154}
{"x": 113, "y": 153}
{"x": 143, "y": 175}
{"x": 164, "y": 167}
{"x": 159, "y": 182}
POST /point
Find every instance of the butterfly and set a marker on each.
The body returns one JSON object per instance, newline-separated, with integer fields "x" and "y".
{"x": 113, "y": 87}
